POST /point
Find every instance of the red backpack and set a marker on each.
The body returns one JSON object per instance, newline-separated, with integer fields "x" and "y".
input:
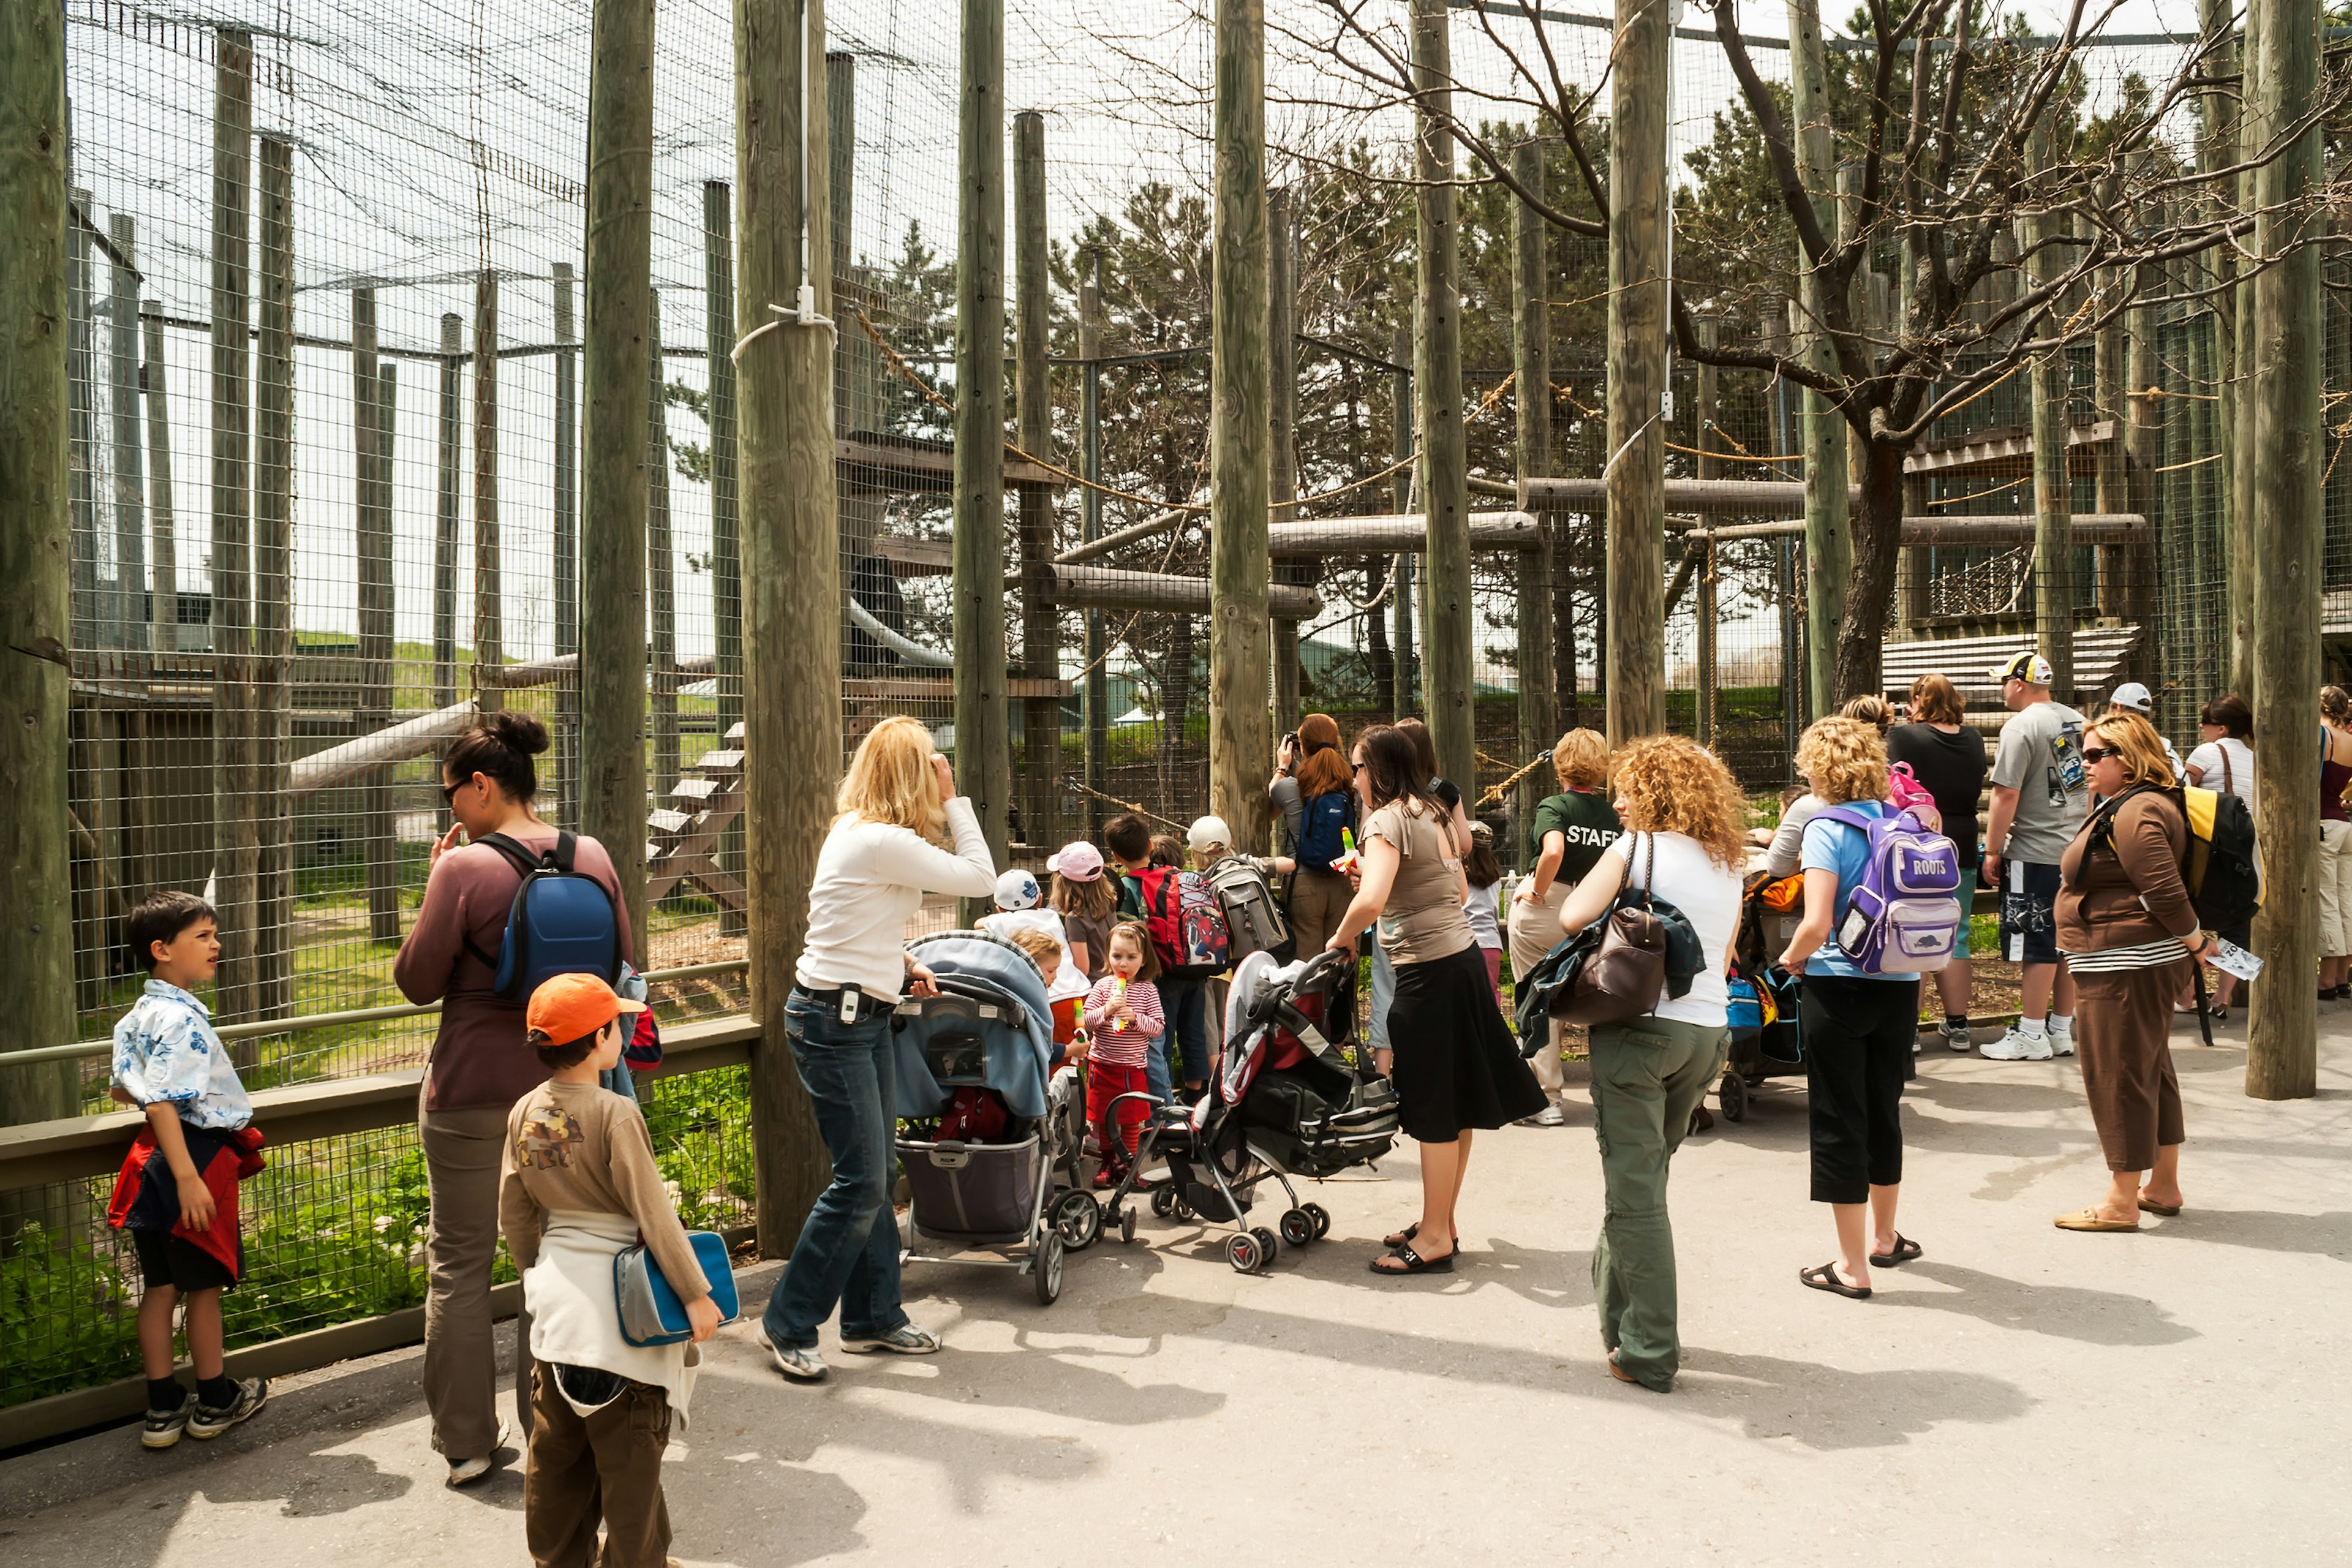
{"x": 1187, "y": 922}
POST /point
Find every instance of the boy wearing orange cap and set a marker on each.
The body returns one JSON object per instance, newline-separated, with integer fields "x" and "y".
{"x": 580, "y": 1184}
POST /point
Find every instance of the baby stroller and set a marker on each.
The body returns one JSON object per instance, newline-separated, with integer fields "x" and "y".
{"x": 972, "y": 1068}
{"x": 1283, "y": 1103}
{"x": 1765, "y": 1042}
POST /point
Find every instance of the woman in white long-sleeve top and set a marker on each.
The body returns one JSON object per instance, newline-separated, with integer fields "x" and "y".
{"x": 897, "y": 802}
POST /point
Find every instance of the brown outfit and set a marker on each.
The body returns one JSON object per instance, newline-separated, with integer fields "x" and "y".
{"x": 2123, "y": 911}
{"x": 579, "y": 1146}
{"x": 584, "y": 1468}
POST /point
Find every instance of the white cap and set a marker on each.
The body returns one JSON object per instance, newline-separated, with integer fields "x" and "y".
{"x": 1207, "y": 832}
{"x": 1016, "y": 889}
{"x": 2131, "y": 694}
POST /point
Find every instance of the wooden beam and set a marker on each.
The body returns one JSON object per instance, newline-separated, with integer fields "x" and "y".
{"x": 566, "y": 541}
{"x": 1403, "y": 682}
{"x": 372, "y": 417}
{"x": 1107, "y": 588}
{"x": 726, "y": 486}
{"x": 1515, "y": 531}
{"x": 273, "y": 581}
{"x": 128, "y": 617}
{"x": 661, "y": 562}
{"x": 1097, "y": 693}
{"x": 2054, "y": 537}
{"x": 235, "y": 845}
{"x": 1639, "y": 392}
{"x": 489, "y": 606}
{"x": 163, "y": 513}
{"x": 1703, "y": 563}
{"x": 447, "y": 488}
{"x": 1282, "y": 435}
{"x": 1829, "y": 545}
{"x": 1532, "y": 361}
{"x": 1452, "y": 617}
{"x": 1041, "y": 631}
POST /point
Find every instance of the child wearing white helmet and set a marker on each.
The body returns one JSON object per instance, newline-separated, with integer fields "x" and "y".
{"x": 1017, "y": 909}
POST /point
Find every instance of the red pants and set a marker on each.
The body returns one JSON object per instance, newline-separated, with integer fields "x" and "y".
{"x": 1106, "y": 1081}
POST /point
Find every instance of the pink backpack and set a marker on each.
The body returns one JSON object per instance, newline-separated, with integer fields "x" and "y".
{"x": 1904, "y": 789}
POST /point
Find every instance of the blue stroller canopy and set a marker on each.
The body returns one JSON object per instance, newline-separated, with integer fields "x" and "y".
{"x": 993, "y": 998}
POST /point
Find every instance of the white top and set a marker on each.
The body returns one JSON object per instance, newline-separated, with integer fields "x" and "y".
{"x": 1478, "y": 906}
{"x": 2238, "y": 777}
{"x": 1068, "y": 980}
{"x": 870, "y": 880}
{"x": 1708, "y": 896}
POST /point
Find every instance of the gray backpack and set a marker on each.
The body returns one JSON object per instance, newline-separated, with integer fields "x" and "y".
{"x": 1254, "y": 919}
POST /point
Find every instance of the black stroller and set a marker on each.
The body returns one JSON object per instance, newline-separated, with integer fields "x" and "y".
{"x": 1283, "y": 1103}
{"x": 1766, "y": 1042}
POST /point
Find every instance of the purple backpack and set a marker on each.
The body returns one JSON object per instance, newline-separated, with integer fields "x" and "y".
{"x": 1901, "y": 917}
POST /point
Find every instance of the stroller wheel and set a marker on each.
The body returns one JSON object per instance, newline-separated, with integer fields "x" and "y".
{"x": 1163, "y": 1201}
{"x": 1733, "y": 1097}
{"x": 1320, "y": 1216}
{"x": 1182, "y": 1209}
{"x": 1265, "y": 1246}
{"x": 1244, "y": 1253}
{"x": 1297, "y": 1228}
{"x": 1078, "y": 1219}
{"x": 1048, "y": 1274}
{"x": 1126, "y": 1224}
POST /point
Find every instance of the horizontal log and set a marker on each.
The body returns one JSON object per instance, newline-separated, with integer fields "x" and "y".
{"x": 1104, "y": 588}
{"x": 1386, "y": 535}
{"x": 1988, "y": 531}
{"x": 1742, "y": 498}
{"x": 1160, "y": 522}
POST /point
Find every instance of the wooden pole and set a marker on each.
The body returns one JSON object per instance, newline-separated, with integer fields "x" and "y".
{"x": 1914, "y": 568}
{"x": 2110, "y": 369}
{"x": 1532, "y": 361}
{"x": 612, "y": 444}
{"x": 725, "y": 534}
{"x": 446, "y": 490}
{"x": 489, "y": 610}
{"x": 660, "y": 562}
{"x": 37, "y": 958}
{"x": 1041, "y": 629}
{"x": 1703, "y": 621}
{"x": 983, "y": 760}
{"x": 2143, "y": 380}
{"x": 1241, "y": 652}
{"x": 89, "y": 604}
{"x": 1282, "y": 438}
{"x": 373, "y": 532}
{"x": 2288, "y": 526}
{"x": 791, "y": 588}
{"x": 2053, "y": 534}
{"x": 567, "y": 547}
{"x": 1406, "y": 486}
{"x": 128, "y": 615}
{"x": 234, "y": 845}
{"x": 1097, "y": 684}
{"x": 1828, "y": 542}
{"x": 1639, "y": 393}
{"x": 273, "y": 583}
{"x": 162, "y": 516}
{"x": 2255, "y": 126}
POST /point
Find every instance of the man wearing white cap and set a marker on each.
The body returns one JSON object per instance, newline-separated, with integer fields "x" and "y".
{"x": 2040, "y": 793}
{"x": 2131, "y": 696}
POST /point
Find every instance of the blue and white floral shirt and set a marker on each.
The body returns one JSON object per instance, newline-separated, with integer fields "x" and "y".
{"x": 164, "y": 1049}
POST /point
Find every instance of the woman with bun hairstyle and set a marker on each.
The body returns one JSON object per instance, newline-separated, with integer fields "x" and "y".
{"x": 477, "y": 1070}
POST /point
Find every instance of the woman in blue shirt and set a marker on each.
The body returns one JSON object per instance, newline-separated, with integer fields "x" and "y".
{"x": 1858, "y": 1029}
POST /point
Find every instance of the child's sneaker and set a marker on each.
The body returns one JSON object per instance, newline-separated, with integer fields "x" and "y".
{"x": 2017, "y": 1046}
{"x": 164, "y": 1427}
{"x": 211, "y": 1421}
{"x": 1955, "y": 1035}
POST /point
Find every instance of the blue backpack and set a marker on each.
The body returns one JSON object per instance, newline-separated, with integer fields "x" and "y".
{"x": 1902, "y": 916}
{"x": 560, "y": 922}
{"x": 1318, "y": 834}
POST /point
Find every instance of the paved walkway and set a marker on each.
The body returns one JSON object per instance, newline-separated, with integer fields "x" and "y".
{"x": 2021, "y": 1396}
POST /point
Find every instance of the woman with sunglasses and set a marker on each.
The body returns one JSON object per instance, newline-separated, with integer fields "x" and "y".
{"x": 2129, "y": 933}
{"x": 478, "y": 1069}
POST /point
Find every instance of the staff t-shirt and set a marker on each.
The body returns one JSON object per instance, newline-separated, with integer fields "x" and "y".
{"x": 1707, "y": 893}
{"x": 2042, "y": 759}
{"x": 1585, "y": 820}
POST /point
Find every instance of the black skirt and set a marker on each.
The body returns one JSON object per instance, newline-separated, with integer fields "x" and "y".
{"x": 1456, "y": 1064}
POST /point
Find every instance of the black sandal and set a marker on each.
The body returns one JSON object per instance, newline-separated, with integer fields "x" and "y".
{"x": 1825, "y": 1277}
{"x": 1408, "y": 1233}
{"x": 1415, "y": 1263}
{"x": 1905, "y": 1249}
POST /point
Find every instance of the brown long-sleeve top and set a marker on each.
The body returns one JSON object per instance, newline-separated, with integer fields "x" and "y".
{"x": 577, "y": 1146}
{"x": 2127, "y": 893}
{"x": 478, "y": 1055}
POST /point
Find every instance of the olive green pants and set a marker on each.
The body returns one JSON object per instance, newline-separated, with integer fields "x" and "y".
{"x": 1647, "y": 1077}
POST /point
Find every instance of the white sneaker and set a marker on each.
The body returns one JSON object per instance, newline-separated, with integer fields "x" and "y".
{"x": 1956, "y": 1036}
{"x": 904, "y": 1339}
{"x": 1549, "y": 1116}
{"x": 2017, "y": 1046}
{"x": 466, "y": 1471}
{"x": 2061, "y": 1038}
{"x": 799, "y": 1362}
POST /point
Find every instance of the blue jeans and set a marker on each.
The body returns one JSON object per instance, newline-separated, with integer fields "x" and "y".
{"x": 1155, "y": 1068}
{"x": 1186, "y": 1003}
{"x": 1376, "y": 1032}
{"x": 848, "y": 1249}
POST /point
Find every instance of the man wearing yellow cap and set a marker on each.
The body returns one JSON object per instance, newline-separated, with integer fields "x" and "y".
{"x": 2039, "y": 792}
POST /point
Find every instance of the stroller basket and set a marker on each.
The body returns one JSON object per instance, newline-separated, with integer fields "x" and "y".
{"x": 976, "y": 1193}
{"x": 1315, "y": 1117}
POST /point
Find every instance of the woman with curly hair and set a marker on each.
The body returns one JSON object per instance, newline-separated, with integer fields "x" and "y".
{"x": 1858, "y": 1029}
{"x": 1685, "y": 840}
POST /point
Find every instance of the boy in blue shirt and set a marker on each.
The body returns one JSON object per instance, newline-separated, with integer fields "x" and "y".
{"x": 177, "y": 1191}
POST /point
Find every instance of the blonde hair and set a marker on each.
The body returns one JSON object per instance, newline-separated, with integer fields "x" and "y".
{"x": 1669, "y": 784}
{"x": 2141, "y": 748}
{"x": 1871, "y": 711}
{"x": 1935, "y": 700}
{"x": 1039, "y": 946}
{"x": 1581, "y": 761}
{"x": 889, "y": 779}
{"x": 1845, "y": 759}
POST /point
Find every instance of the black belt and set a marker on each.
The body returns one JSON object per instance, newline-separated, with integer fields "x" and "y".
{"x": 863, "y": 1006}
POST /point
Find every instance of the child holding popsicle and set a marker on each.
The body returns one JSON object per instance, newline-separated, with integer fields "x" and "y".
{"x": 1123, "y": 1021}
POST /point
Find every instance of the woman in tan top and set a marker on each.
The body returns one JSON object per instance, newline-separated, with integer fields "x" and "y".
{"x": 2129, "y": 933}
{"x": 1457, "y": 1067}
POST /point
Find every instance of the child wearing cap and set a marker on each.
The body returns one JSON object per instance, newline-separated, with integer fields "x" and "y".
{"x": 1087, "y": 900}
{"x": 1209, "y": 841}
{"x": 1017, "y": 899}
{"x": 579, "y": 1186}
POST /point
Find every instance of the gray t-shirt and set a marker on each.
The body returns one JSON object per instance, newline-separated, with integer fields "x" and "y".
{"x": 2042, "y": 759}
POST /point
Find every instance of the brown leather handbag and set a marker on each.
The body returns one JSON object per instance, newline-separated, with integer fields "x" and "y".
{"x": 1625, "y": 972}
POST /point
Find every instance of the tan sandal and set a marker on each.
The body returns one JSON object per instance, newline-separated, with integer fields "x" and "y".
{"x": 2088, "y": 1219}
{"x": 2165, "y": 1210}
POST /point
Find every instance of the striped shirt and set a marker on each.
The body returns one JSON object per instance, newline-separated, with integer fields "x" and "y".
{"x": 1122, "y": 1047}
{"x": 2140, "y": 955}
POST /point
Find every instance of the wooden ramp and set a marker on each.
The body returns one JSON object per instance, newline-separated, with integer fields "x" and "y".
{"x": 2103, "y": 657}
{"x": 682, "y": 838}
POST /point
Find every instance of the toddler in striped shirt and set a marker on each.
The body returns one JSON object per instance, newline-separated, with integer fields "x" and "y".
{"x": 1123, "y": 1021}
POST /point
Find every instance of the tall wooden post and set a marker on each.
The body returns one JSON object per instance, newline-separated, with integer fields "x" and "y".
{"x": 36, "y": 960}
{"x": 89, "y": 604}
{"x": 984, "y": 759}
{"x": 446, "y": 490}
{"x": 2110, "y": 368}
{"x": 372, "y": 537}
{"x": 612, "y": 444}
{"x": 660, "y": 562}
{"x": 1241, "y": 653}
{"x": 567, "y": 548}
{"x": 1098, "y": 686}
{"x": 1829, "y": 542}
{"x": 1531, "y": 363}
{"x": 2240, "y": 568}
{"x": 1912, "y": 565}
{"x": 235, "y": 846}
{"x": 2288, "y": 526}
{"x": 273, "y": 584}
{"x": 1406, "y": 488}
{"x": 163, "y": 515}
{"x": 725, "y": 534}
{"x": 1040, "y": 623}
{"x": 2144, "y": 405}
{"x": 2053, "y": 508}
{"x": 1282, "y": 434}
{"x": 129, "y": 613}
{"x": 489, "y": 606}
{"x": 792, "y": 584}
{"x": 1639, "y": 392}
{"x": 1710, "y": 467}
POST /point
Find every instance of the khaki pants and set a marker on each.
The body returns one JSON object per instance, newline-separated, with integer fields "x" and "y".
{"x": 606, "y": 1466}
{"x": 1317, "y": 899}
{"x": 465, "y": 1156}
{"x": 1535, "y": 931}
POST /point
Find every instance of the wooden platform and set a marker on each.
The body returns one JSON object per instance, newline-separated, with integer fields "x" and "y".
{"x": 872, "y": 465}
{"x": 2104, "y": 656}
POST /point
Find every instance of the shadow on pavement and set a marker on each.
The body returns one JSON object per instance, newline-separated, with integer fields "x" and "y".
{"x": 2063, "y": 1312}
{"x": 1829, "y": 1408}
{"x": 2319, "y": 1234}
